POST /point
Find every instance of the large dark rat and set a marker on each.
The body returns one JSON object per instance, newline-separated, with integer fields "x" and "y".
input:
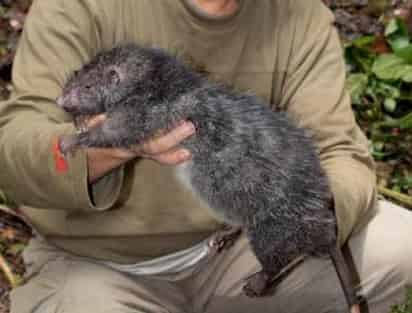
{"x": 252, "y": 166}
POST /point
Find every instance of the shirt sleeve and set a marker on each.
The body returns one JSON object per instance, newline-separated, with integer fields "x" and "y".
{"x": 59, "y": 36}
{"x": 314, "y": 95}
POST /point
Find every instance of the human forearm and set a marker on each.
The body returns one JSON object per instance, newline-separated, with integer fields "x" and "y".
{"x": 29, "y": 174}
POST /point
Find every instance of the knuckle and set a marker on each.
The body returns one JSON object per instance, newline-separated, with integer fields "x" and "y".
{"x": 183, "y": 132}
{"x": 176, "y": 138}
{"x": 164, "y": 159}
{"x": 149, "y": 147}
{"x": 171, "y": 157}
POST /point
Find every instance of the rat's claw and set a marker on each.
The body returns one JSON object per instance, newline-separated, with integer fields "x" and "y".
{"x": 225, "y": 238}
{"x": 81, "y": 123}
{"x": 68, "y": 145}
{"x": 77, "y": 121}
{"x": 83, "y": 127}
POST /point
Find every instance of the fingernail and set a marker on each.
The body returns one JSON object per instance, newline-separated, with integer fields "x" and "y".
{"x": 185, "y": 155}
{"x": 188, "y": 128}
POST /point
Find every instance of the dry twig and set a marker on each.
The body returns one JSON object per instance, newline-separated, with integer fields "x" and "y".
{"x": 5, "y": 267}
{"x": 400, "y": 197}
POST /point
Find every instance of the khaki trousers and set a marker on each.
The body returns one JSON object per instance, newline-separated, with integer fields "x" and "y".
{"x": 62, "y": 283}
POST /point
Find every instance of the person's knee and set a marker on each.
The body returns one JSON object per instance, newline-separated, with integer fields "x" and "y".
{"x": 87, "y": 287}
{"x": 396, "y": 249}
{"x": 66, "y": 286}
{"x": 383, "y": 250}
{"x": 402, "y": 259}
{"x": 395, "y": 258}
{"x": 96, "y": 288}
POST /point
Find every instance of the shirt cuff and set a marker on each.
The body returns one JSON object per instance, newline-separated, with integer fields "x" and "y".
{"x": 354, "y": 193}
{"x": 98, "y": 196}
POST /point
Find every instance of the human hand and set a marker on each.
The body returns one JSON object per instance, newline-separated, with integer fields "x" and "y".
{"x": 163, "y": 149}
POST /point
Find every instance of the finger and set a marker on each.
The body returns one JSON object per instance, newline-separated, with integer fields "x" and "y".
{"x": 172, "y": 157}
{"x": 96, "y": 120}
{"x": 169, "y": 140}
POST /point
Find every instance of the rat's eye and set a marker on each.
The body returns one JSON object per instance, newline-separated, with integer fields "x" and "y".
{"x": 113, "y": 76}
{"x": 87, "y": 87}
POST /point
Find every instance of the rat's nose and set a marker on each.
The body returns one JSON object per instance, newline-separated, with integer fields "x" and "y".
{"x": 60, "y": 101}
{"x": 67, "y": 103}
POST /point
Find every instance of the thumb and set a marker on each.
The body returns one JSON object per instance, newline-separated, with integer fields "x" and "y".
{"x": 96, "y": 120}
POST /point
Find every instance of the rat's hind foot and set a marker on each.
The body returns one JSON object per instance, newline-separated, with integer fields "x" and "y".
{"x": 258, "y": 285}
{"x": 225, "y": 238}
{"x": 263, "y": 283}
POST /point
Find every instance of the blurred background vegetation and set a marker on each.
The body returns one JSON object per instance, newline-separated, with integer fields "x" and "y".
{"x": 377, "y": 41}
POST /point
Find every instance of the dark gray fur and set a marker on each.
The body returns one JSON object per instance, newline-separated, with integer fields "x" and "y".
{"x": 252, "y": 166}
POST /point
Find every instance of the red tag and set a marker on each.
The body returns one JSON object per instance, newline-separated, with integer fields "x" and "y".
{"x": 59, "y": 159}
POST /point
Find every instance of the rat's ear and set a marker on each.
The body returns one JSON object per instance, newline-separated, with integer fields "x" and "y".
{"x": 115, "y": 74}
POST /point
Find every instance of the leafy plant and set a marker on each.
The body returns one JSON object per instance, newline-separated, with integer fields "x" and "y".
{"x": 406, "y": 307}
{"x": 380, "y": 83}
{"x": 3, "y": 198}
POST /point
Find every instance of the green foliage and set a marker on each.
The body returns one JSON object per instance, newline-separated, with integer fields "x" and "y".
{"x": 380, "y": 83}
{"x": 3, "y": 198}
{"x": 6, "y": 201}
{"x": 390, "y": 67}
{"x": 406, "y": 307}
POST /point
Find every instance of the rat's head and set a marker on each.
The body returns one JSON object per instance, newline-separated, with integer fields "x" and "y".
{"x": 109, "y": 78}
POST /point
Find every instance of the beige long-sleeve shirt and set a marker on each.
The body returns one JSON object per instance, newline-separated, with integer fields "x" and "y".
{"x": 286, "y": 52}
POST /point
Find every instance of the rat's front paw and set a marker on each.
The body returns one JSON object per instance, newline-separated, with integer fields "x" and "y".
{"x": 82, "y": 123}
{"x": 68, "y": 144}
{"x": 258, "y": 285}
{"x": 226, "y": 238}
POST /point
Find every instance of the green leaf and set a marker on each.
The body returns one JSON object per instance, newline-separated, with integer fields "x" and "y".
{"x": 403, "y": 182}
{"x": 408, "y": 75}
{"x": 378, "y": 146}
{"x": 399, "y": 43}
{"x": 404, "y": 122}
{"x": 392, "y": 67}
{"x": 3, "y": 198}
{"x": 405, "y": 53}
{"x": 356, "y": 85}
{"x": 392, "y": 27}
{"x": 397, "y": 34}
{"x": 406, "y": 307}
{"x": 360, "y": 58}
{"x": 396, "y": 27}
{"x": 364, "y": 41}
{"x": 16, "y": 249}
{"x": 390, "y": 105}
{"x": 380, "y": 155}
{"x": 387, "y": 90}
{"x": 2, "y": 11}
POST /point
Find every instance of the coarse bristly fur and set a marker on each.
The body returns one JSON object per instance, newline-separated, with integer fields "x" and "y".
{"x": 252, "y": 166}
